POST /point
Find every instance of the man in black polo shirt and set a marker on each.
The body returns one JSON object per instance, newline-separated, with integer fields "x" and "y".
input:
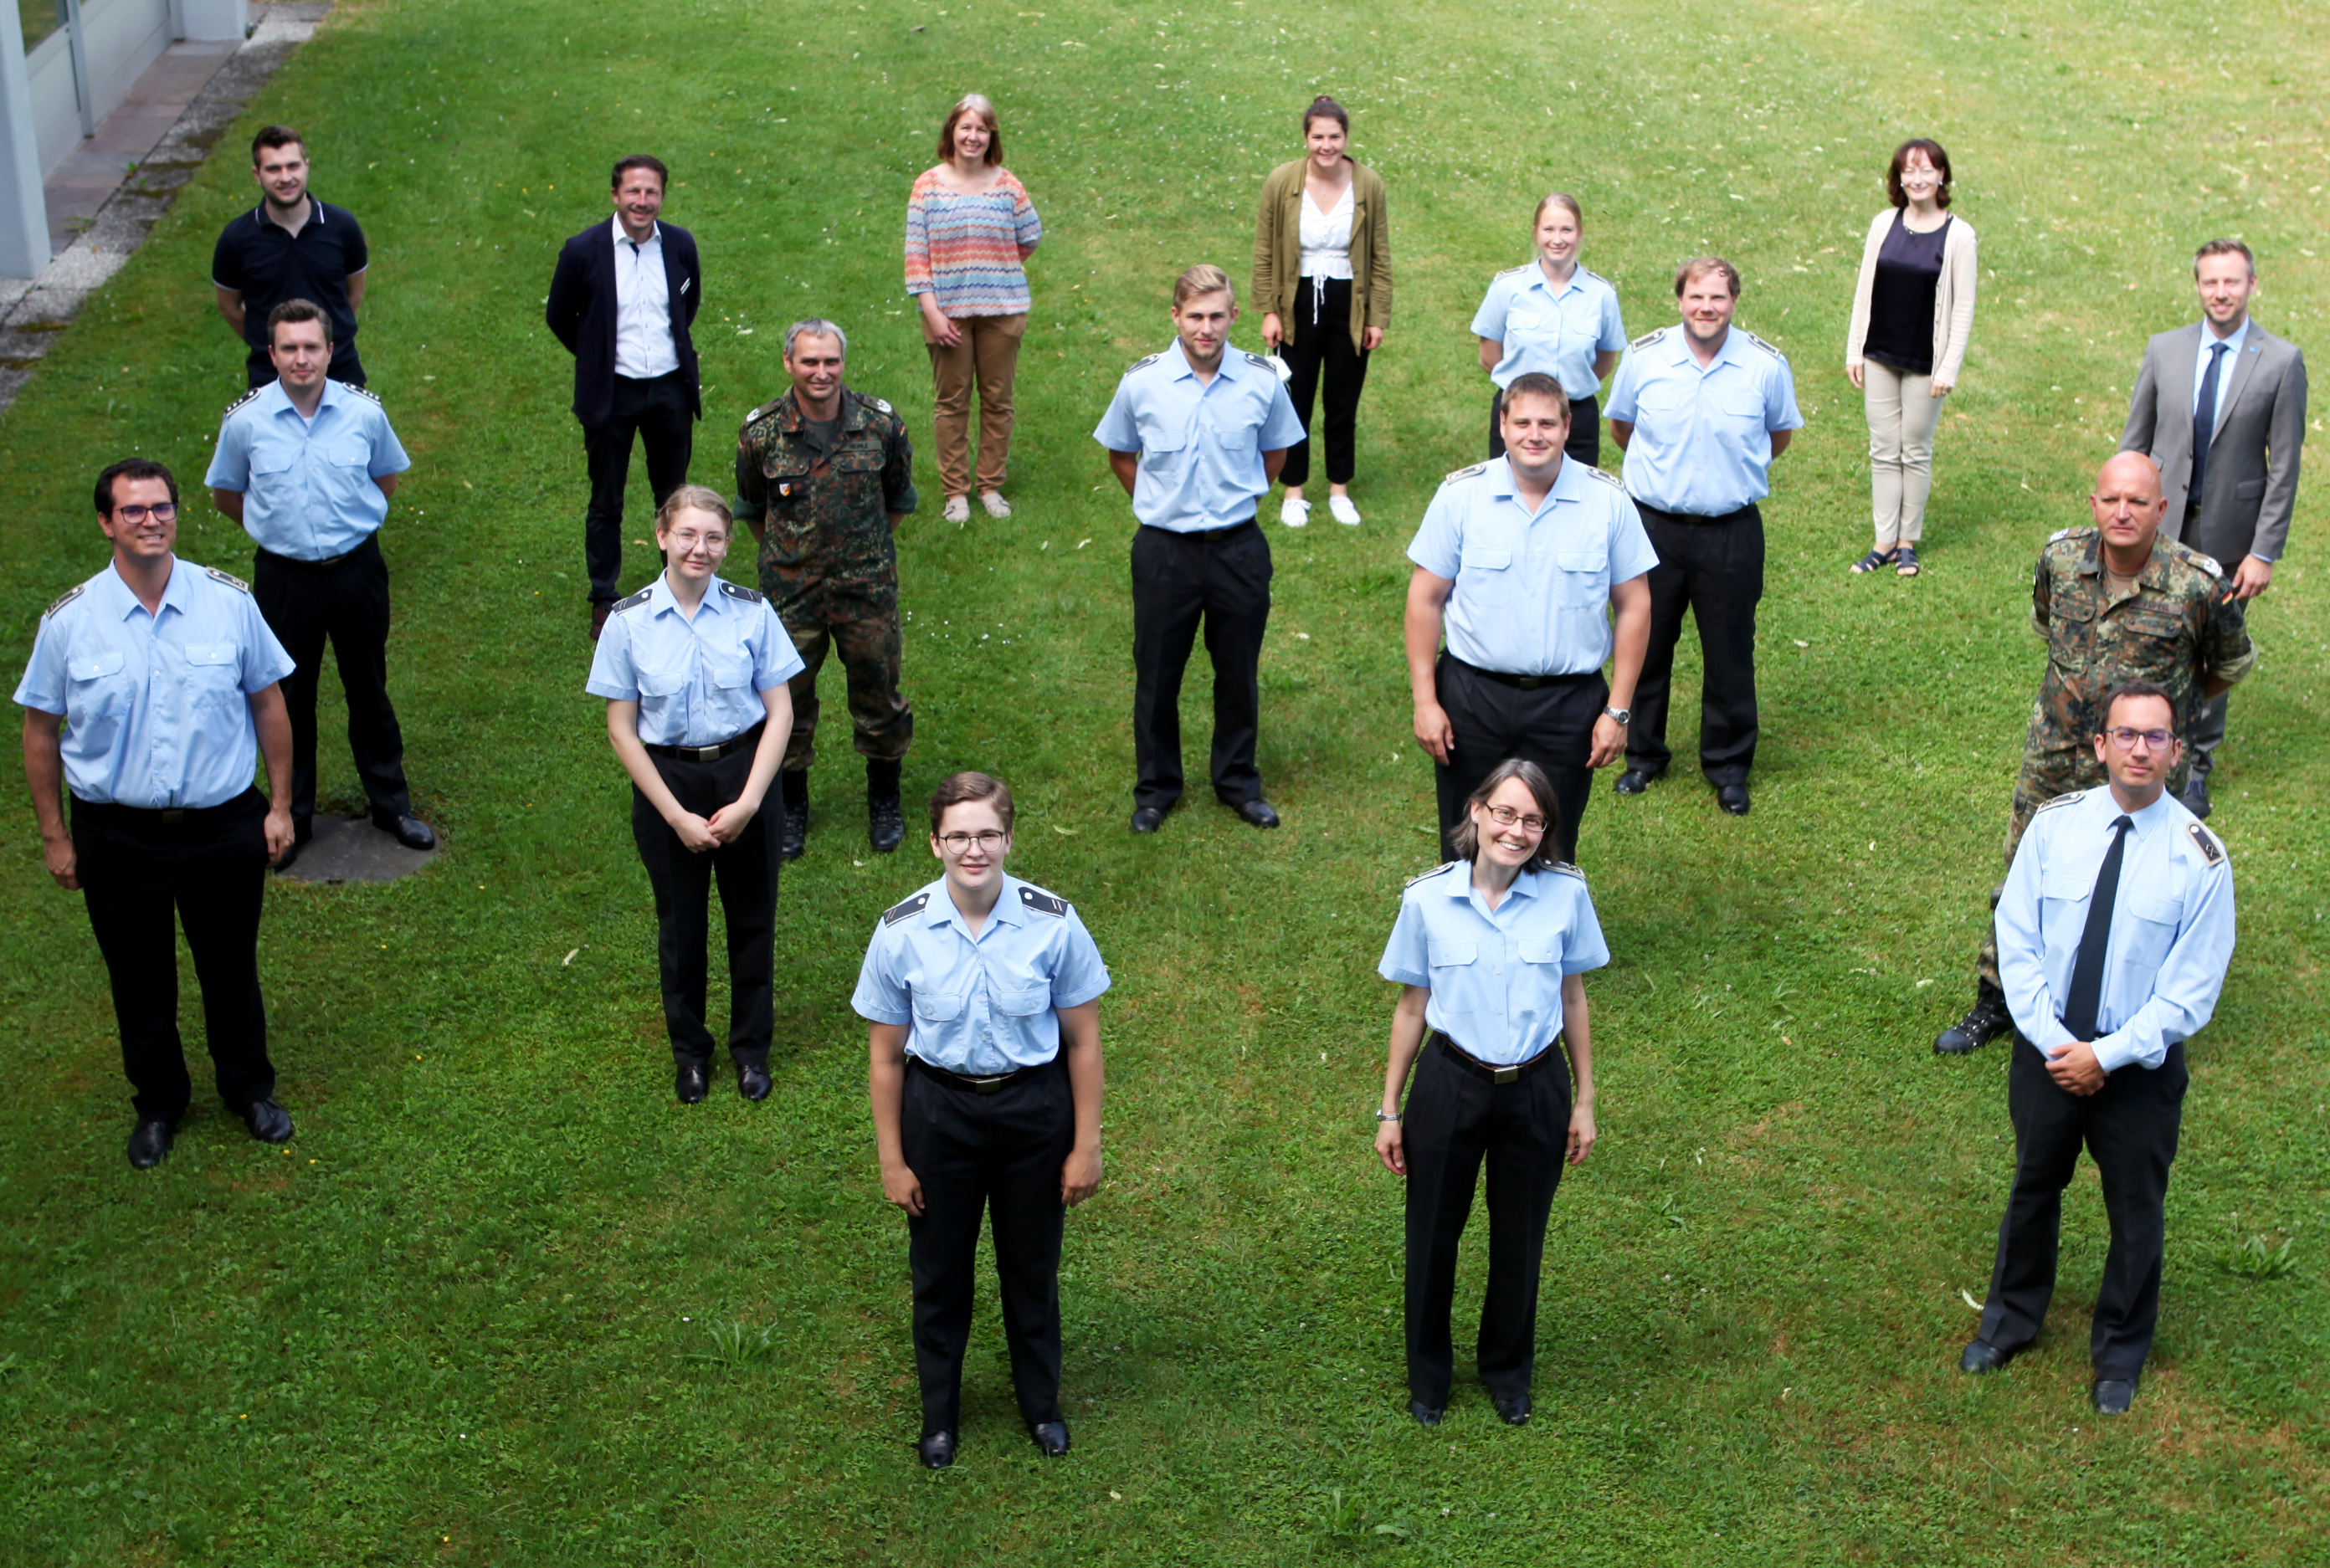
{"x": 291, "y": 245}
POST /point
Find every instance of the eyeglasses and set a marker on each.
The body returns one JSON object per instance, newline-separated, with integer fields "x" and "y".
{"x": 1505, "y": 817}
{"x": 2157, "y": 740}
{"x": 168, "y": 511}
{"x": 988, "y": 839}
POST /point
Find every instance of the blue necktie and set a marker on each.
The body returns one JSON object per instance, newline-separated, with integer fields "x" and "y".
{"x": 2088, "y": 969}
{"x": 2204, "y": 424}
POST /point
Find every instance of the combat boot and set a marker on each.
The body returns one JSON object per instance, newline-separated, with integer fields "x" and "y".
{"x": 885, "y": 818}
{"x": 1985, "y": 1021}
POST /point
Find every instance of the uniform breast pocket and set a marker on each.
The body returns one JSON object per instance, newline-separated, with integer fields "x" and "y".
{"x": 1161, "y": 454}
{"x": 1235, "y": 440}
{"x": 1584, "y": 577}
{"x": 348, "y": 454}
{"x": 1541, "y": 950}
{"x": 730, "y": 669}
{"x": 1020, "y": 1001}
{"x": 938, "y": 1007}
{"x": 100, "y": 685}
{"x": 1742, "y": 408}
{"x": 1484, "y": 577}
{"x": 1530, "y": 325}
{"x": 1662, "y": 396}
{"x": 213, "y": 674}
{"x": 662, "y": 682}
{"x": 2150, "y": 931}
{"x": 788, "y": 491}
{"x": 2063, "y": 907}
{"x": 1452, "y": 955}
{"x": 271, "y": 460}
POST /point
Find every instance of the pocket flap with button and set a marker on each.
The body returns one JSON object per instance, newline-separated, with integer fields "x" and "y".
{"x": 730, "y": 668}
{"x": 96, "y": 667}
{"x": 669, "y": 682}
{"x": 348, "y": 454}
{"x": 938, "y": 1007}
{"x": 1447, "y": 955}
{"x": 1540, "y": 951}
{"x": 2248, "y": 489}
{"x": 1481, "y": 559}
{"x": 1235, "y": 438}
{"x": 2148, "y": 906}
{"x": 1742, "y": 403}
{"x": 1021, "y": 1001}
{"x": 2061, "y": 882}
{"x": 211, "y": 653}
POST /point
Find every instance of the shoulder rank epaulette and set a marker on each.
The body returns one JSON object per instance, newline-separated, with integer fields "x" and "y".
{"x": 1435, "y": 870}
{"x": 1465, "y": 473}
{"x": 2060, "y": 534}
{"x": 1649, "y": 338}
{"x": 898, "y": 912}
{"x": 738, "y": 591}
{"x": 1766, "y": 348}
{"x": 245, "y": 398}
{"x": 871, "y": 402}
{"x": 1259, "y": 361}
{"x": 1043, "y": 903}
{"x": 763, "y": 412}
{"x": 1567, "y": 869}
{"x": 66, "y": 598}
{"x": 1516, "y": 271}
{"x": 1593, "y": 275}
{"x": 1144, "y": 364}
{"x": 228, "y": 578}
{"x": 2208, "y": 563}
{"x": 2061, "y": 800}
{"x": 633, "y": 602}
{"x": 2212, "y": 850}
{"x": 1604, "y": 475}
{"x": 362, "y": 391}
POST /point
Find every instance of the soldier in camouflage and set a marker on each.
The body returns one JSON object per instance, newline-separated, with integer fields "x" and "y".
{"x": 823, "y": 477}
{"x": 2115, "y": 602}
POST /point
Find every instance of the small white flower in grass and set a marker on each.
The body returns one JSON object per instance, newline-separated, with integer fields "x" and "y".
{"x": 1801, "y": 642}
{"x": 1969, "y": 1300}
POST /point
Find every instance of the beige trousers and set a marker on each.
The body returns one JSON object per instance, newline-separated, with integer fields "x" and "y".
{"x": 1902, "y": 413}
{"x": 988, "y": 355}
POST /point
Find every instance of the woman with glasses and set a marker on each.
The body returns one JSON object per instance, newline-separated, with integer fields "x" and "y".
{"x": 1912, "y": 316}
{"x": 981, "y": 995}
{"x": 693, "y": 671}
{"x": 1490, "y": 949}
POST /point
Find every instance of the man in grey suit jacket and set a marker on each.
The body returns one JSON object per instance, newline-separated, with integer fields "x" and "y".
{"x": 2220, "y": 407}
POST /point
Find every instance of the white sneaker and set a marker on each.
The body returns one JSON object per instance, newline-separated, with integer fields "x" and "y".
{"x": 997, "y": 506}
{"x": 958, "y": 509}
{"x": 1294, "y": 514}
{"x": 1340, "y": 507}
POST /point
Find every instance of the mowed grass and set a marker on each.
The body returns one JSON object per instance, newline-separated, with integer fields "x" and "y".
{"x": 464, "y": 1318}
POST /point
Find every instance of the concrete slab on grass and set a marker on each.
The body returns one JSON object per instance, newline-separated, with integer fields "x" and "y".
{"x": 351, "y": 849}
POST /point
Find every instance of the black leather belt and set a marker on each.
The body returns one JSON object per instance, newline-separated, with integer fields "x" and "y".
{"x": 975, "y": 1085}
{"x": 1479, "y": 1068}
{"x": 167, "y": 816}
{"x": 1525, "y": 682}
{"x": 734, "y": 743}
{"x": 327, "y": 563}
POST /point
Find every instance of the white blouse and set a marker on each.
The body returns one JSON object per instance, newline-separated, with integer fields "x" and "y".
{"x": 1327, "y": 237}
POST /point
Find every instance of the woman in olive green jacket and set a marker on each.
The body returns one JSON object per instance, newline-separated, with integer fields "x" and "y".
{"x": 1322, "y": 279}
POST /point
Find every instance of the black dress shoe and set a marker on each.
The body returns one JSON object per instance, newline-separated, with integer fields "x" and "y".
{"x": 289, "y": 855}
{"x": 1427, "y": 1414}
{"x": 1051, "y": 1436}
{"x": 885, "y": 823}
{"x": 408, "y": 830}
{"x": 1634, "y": 781}
{"x": 1256, "y": 813}
{"x": 2196, "y": 795}
{"x": 149, "y": 1141}
{"x": 751, "y": 1082}
{"x": 796, "y": 834}
{"x": 693, "y": 1081}
{"x": 937, "y": 1450}
{"x": 1512, "y": 1408}
{"x": 1981, "y": 1357}
{"x": 1733, "y": 798}
{"x": 1985, "y": 1021}
{"x": 268, "y": 1122}
{"x": 1147, "y": 818}
{"x": 2113, "y": 1396}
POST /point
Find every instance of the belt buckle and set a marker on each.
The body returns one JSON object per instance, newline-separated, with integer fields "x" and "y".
{"x": 986, "y": 1085}
{"x": 173, "y": 815}
{"x": 703, "y": 753}
{"x": 1505, "y": 1074}
{"x": 1529, "y": 683}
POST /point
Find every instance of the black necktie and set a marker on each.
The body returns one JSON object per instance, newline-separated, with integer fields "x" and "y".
{"x": 2204, "y": 423}
{"x": 2088, "y": 973}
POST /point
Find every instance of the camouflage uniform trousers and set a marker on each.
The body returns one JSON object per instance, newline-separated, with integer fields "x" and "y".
{"x": 869, "y": 650}
{"x": 2052, "y": 767}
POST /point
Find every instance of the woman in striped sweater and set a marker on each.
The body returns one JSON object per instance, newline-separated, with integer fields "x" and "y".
{"x": 970, "y": 227}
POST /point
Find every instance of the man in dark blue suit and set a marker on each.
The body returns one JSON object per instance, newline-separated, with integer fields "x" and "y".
{"x": 622, "y": 301}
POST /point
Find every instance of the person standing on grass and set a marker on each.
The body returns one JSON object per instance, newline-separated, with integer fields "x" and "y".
{"x": 151, "y": 688}
{"x": 1522, "y": 560}
{"x": 1490, "y": 951}
{"x": 1195, "y": 435}
{"x": 982, "y": 997}
{"x": 694, "y": 671}
{"x": 970, "y": 230}
{"x": 291, "y": 245}
{"x": 2228, "y": 451}
{"x": 1322, "y": 276}
{"x": 1912, "y": 316}
{"x": 2115, "y": 929}
{"x": 1552, "y": 318}
{"x": 621, "y": 300}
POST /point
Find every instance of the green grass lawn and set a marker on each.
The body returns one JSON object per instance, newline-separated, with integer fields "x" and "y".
{"x": 465, "y": 1317}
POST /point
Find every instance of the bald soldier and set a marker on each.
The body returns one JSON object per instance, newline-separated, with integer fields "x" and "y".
{"x": 2119, "y": 601}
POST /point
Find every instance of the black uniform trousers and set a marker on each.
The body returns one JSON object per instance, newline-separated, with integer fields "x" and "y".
{"x": 657, "y": 411}
{"x": 305, "y": 604}
{"x": 1222, "y": 577}
{"x": 1585, "y": 443}
{"x": 999, "y": 1153}
{"x": 1712, "y": 567}
{"x": 1457, "y": 1120}
{"x": 1549, "y": 722}
{"x": 1318, "y": 338}
{"x": 682, "y": 880}
{"x": 2129, "y": 1126}
{"x": 143, "y": 874}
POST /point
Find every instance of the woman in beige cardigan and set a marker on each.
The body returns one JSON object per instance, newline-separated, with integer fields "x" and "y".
{"x": 1912, "y": 313}
{"x": 1322, "y": 277}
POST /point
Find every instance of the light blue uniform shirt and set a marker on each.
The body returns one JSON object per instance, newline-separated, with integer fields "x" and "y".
{"x": 308, "y": 489}
{"x": 1200, "y": 443}
{"x": 1703, "y": 439}
{"x": 697, "y": 682}
{"x": 1556, "y": 332}
{"x": 156, "y": 706}
{"x": 2171, "y": 926}
{"x": 981, "y": 1005}
{"x": 1495, "y": 975}
{"x": 1532, "y": 594}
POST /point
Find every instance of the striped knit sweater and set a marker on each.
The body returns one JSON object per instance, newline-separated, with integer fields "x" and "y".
{"x": 967, "y": 249}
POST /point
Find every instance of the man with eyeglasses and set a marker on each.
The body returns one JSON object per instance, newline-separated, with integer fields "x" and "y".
{"x": 152, "y": 689}
{"x": 2114, "y": 930}
{"x": 2120, "y": 601}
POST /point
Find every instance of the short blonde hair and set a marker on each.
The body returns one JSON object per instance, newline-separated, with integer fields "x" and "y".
{"x": 976, "y": 103}
{"x": 694, "y": 498}
{"x": 1563, "y": 200}
{"x": 1202, "y": 280}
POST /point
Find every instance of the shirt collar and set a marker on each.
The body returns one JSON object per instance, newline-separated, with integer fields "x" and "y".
{"x": 176, "y": 594}
{"x": 2106, "y": 806}
{"x": 1006, "y": 910}
{"x": 1538, "y": 279}
{"x": 1181, "y": 358}
{"x": 665, "y": 600}
{"x": 275, "y": 397}
{"x": 1502, "y": 484}
{"x": 1461, "y": 887}
{"x": 1728, "y": 351}
{"x": 315, "y": 213}
{"x": 655, "y": 234}
{"x": 2210, "y": 340}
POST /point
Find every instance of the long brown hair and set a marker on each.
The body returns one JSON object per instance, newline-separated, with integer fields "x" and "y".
{"x": 976, "y": 103}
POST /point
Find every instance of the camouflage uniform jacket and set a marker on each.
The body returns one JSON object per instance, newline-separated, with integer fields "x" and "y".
{"x": 823, "y": 518}
{"x": 2180, "y": 628}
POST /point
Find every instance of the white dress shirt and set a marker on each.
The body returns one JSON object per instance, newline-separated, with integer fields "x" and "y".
{"x": 1326, "y": 236}
{"x": 2209, "y": 340}
{"x": 643, "y": 345}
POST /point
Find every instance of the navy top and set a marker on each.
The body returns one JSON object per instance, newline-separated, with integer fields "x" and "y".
{"x": 1901, "y": 298}
{"x": 267, "y": 266}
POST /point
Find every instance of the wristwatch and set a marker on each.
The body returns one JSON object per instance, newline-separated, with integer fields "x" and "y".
{"x": 1621, "y": 714}
{"x": 1383, "y": 1114}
